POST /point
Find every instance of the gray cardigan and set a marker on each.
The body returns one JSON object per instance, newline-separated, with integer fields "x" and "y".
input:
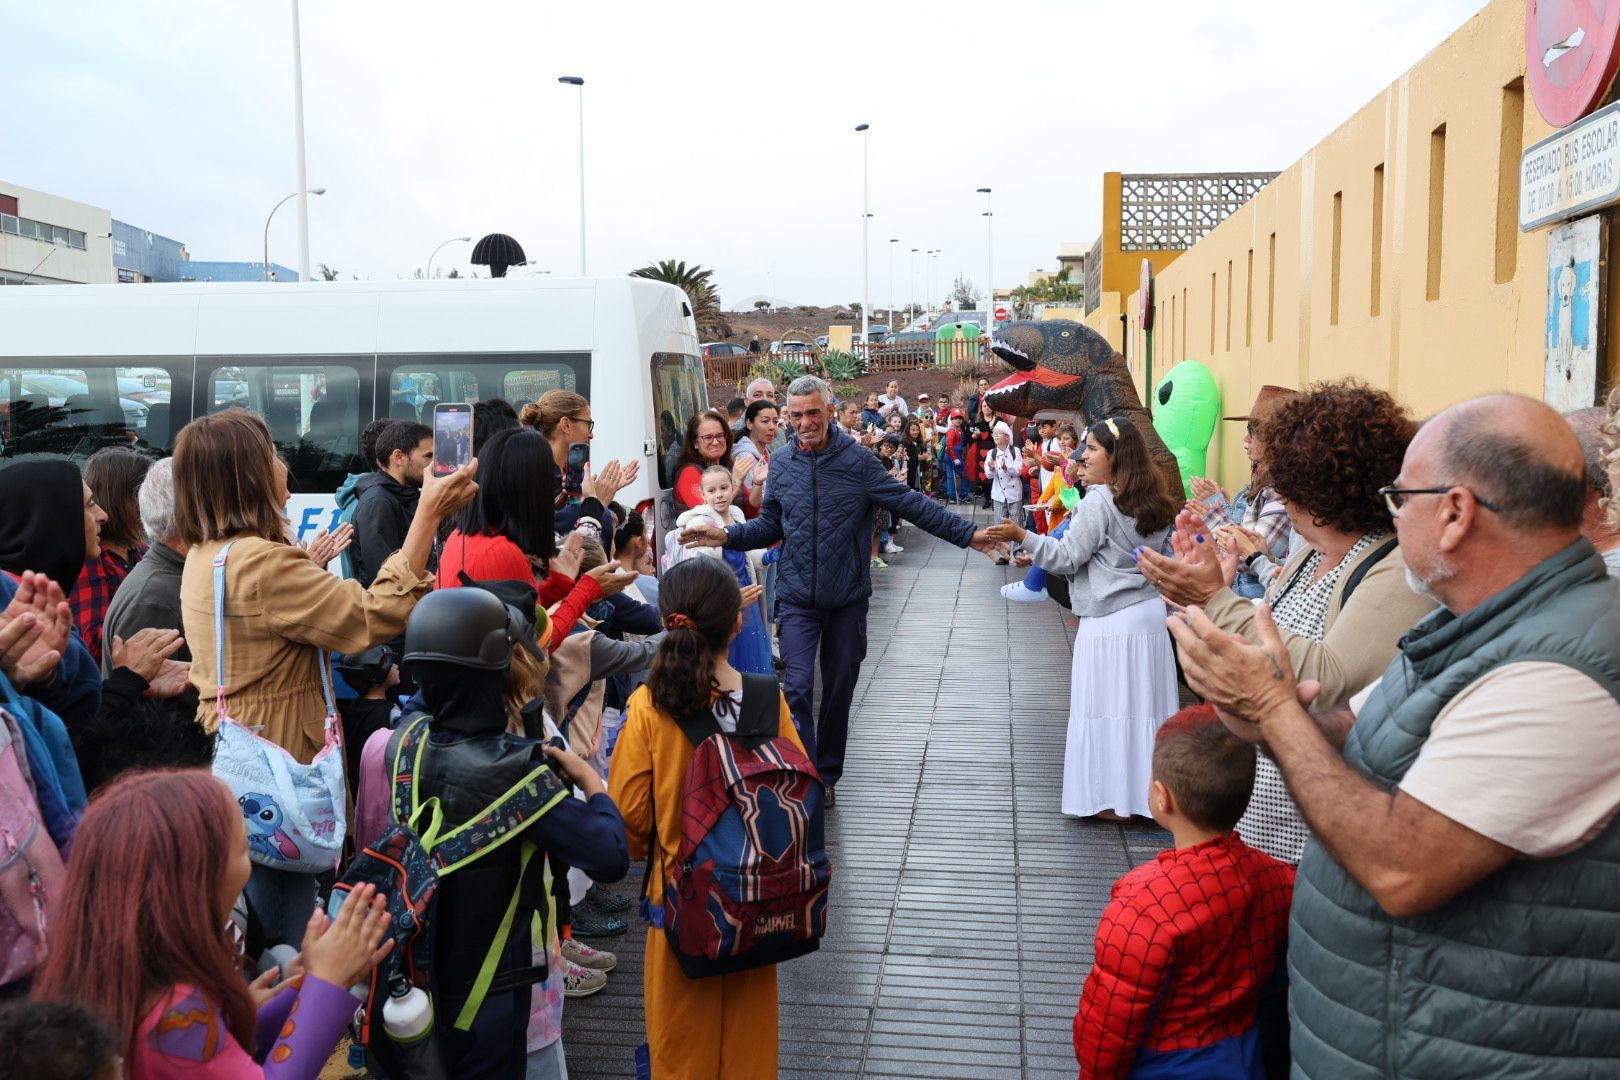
{"x": 1096, "y": 556}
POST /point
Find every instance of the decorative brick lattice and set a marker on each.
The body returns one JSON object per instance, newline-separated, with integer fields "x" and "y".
{"x": 1093, "y": 276}
{"x": 1173, "y": 211}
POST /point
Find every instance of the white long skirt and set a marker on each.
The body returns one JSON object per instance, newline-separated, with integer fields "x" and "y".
{"x": 1124, "y": 687}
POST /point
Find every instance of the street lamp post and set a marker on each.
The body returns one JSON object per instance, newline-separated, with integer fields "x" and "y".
{"x": 893, "y": 240}
{"x": 452, "y": 240}
{"x": 273, "y": 209}
{"x": 298, "y": 133}
{"x": 577, "y": 81}
{"x": 911, "y": 307}
{"x": 866, "y": 228}
{"x": 989, "y": 263}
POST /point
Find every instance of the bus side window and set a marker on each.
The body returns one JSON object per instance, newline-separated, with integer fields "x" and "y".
{"x": 313, "y": 410}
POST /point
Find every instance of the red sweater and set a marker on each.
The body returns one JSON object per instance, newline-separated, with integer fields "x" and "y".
{"x": 495, "y": 558}
{"x": 1182, "y": 951}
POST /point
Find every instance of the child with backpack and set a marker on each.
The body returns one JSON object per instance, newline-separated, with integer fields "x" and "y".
{"x": 505, "y": 814}
{"x": 1189, "y": 941}
{"x": 701, "y": 744}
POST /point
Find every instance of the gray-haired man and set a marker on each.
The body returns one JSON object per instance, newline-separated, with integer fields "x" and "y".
{"x": 819, "y": 502}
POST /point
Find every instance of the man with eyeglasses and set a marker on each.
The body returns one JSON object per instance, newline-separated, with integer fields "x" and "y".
{"x": 823, "y": 491}
{"x": 1455, "y": 911}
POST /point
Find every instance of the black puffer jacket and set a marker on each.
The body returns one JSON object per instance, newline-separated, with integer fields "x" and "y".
{"x": 820, "y": 506}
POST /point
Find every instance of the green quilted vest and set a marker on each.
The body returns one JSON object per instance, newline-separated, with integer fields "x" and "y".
{"x": 1520, "y": 975}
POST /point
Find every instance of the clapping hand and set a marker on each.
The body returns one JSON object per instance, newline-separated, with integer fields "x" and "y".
{"x": 327, "y": 546}
{"x": 1198, "y": 571}
{"x": 146, "y": 650}
{"x": 751, "y": 594}
{"x": 35, "y": 629}
{"x": 1249, "y": 684}
{"x": 344, "y": 950}
{"x": 1204, "y": 489}
{"x": 566, "y": 561}
{"x": 172, "y": 680}
{"x": 613, "y": 578}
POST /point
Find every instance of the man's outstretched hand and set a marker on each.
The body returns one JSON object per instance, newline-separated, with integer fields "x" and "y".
{"x": 984, "y": 542}
{"x": 703, "y": 533}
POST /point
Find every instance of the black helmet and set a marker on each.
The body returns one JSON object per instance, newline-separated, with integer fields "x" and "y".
{"x": 369, "y": 668}
{"x": 469, "y": 627}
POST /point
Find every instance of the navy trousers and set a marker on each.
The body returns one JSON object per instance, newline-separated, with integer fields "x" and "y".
{"x": 839, "y": 635}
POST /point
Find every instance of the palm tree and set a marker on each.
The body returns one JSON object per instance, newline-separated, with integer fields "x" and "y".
{"x": 698, "y": 285}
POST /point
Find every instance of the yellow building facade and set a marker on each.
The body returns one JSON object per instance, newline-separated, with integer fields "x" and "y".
{"x": 1391, "y": 251}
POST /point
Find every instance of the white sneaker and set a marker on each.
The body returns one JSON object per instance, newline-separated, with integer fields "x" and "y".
{"x": 582, "y": 982}
{"x": 579, "y": 954}
{"x": 892, "y": 548}
{"x": 1022, "y": 593}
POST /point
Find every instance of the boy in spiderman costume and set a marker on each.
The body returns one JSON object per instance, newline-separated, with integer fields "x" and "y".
{"x": 1188, "y": 940}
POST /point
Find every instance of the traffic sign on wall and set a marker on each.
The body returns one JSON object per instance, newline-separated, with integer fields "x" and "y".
{"x": 1572, "y": 53}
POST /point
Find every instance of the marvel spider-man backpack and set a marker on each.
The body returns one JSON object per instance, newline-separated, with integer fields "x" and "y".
{"x": 749, "y": 886}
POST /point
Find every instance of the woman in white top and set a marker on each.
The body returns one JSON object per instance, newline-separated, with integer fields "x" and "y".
{"x": 1124, "y": 683}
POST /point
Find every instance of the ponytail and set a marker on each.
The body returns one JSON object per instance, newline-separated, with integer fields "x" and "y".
{"x": 699, "y": 600}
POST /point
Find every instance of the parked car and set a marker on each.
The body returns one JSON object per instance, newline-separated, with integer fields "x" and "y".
{"x": 718, "y": 349}
{"x": 908, "y": 347}
{"x": 57, "y": 390}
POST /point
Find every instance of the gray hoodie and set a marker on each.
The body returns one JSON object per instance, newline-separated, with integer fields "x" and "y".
{"x": 1096, "y": 555}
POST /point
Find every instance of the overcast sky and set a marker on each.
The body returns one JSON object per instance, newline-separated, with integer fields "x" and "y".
{"x": 716, "y": 132}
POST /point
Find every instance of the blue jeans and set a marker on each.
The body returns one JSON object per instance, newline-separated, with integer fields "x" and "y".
{"x": 282, "y": 901}
{"x": 838, "y": 635}
{"x": 1035, "y": 580}
{"x": 956, "y": 485}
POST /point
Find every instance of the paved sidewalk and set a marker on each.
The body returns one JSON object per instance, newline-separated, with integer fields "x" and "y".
{"x": 963, "y": 901}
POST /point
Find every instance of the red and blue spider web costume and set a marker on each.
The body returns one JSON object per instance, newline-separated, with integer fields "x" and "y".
{"x": 1182, "y": 951}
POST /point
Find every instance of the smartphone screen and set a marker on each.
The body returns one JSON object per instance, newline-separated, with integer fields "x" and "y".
{"x": 578, "y": 455}
{"x": 452, "y": 436}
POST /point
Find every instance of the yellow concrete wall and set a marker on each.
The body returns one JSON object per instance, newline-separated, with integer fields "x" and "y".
{"x": 1478, "y": 335}
{"x": 1122, "y": 270}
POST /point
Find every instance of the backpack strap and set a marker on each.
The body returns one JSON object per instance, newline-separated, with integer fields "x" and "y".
{"x": 405, "y": 752}
{"x": 497, "y": 948}
{"x": 505, "y": 819}
{"x": 761, "y": 715}
{"x": 219, "y": 626}
{"x": 1378, "y": 555}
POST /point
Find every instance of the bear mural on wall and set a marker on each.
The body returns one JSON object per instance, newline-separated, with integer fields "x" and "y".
{"x": 1061, "y": 364}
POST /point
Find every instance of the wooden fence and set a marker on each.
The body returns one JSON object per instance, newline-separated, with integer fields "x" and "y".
{"x": 877, "y": 358}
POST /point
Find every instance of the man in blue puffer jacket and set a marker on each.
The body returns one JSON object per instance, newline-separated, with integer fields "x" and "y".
{"x": 819, "y": 501}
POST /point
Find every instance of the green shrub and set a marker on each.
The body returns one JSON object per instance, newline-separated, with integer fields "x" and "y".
{"x": 840, "y": 366}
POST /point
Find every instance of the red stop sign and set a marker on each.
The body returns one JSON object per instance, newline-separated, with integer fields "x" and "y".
{"x": 1571, "y": 55}
{"x": 1001, "y": 314}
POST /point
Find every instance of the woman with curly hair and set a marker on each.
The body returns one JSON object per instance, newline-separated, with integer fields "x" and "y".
{"x": 1341, "y": 601}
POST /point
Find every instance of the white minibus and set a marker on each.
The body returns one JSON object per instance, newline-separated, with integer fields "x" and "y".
{"x": 86, "y": 366}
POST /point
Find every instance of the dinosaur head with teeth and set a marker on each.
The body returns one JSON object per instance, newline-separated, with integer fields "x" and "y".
{"x": 1059, "y": 364}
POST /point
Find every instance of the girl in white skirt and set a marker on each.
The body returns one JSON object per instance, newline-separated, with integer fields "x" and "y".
{"x": 1124, "y": 683}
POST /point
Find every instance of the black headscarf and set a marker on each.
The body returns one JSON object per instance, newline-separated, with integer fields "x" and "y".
{"x": 465, "y": 700}
{"x": 42, "y": 520}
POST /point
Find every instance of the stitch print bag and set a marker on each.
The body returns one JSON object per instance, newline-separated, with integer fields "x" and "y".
{"x": 294, "y": 812}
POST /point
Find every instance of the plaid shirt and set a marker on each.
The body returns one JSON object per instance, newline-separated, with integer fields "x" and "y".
{"x": 94, "y": 591}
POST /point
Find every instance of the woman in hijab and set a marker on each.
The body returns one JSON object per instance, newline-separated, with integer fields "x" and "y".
{"x": 52, "y": 525}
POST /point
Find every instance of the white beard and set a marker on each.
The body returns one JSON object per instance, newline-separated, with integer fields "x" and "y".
{"x": 1442, "y": 572}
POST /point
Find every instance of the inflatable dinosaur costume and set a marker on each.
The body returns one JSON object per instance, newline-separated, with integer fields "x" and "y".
{"x": 1064, "y": 365}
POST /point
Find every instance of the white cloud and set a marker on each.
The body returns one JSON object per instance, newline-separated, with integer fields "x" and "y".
{"x": 717, "y": 132}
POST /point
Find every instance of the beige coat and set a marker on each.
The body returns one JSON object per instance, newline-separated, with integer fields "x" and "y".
{"x": 1360, "y": 637}
{"x": 279, "y": 607}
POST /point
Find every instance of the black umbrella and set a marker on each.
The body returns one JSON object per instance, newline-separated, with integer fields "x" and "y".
{"x": 498, "y": 251}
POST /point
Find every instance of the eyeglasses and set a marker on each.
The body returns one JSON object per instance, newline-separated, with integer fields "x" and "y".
{"x": 1395, "y": 497}
{"x": 712, "y": 438}
{"x": 590, "y": 425}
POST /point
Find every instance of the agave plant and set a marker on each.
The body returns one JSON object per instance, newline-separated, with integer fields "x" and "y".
{"x": 840, "y": 366}
{"x": 698, "y": 285}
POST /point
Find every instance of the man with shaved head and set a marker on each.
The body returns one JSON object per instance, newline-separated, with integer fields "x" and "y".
{"x": 1455, "y": 913}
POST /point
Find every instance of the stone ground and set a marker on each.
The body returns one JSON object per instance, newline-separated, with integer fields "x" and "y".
{"x": 963, "y": 901}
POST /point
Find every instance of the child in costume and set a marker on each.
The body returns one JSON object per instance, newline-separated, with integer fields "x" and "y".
{"x": 1189, "y": 939}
